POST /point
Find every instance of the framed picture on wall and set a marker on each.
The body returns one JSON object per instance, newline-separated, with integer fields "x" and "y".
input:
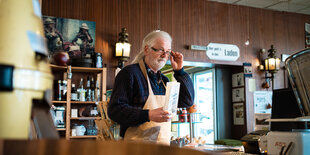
{"x": 237, "y": 80}
{"x": 238, "y": 114}
{"x": 76, "y": 37}
{"x": 238, "y": 94}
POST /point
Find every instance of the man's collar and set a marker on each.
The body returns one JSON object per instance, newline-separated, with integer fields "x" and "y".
{"x": 148, "y": 69}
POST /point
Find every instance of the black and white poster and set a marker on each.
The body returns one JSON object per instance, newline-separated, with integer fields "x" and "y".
{"x": 237, "y": 80}
{"x": 238, "y": 114}
{"x": 238, "y": 94}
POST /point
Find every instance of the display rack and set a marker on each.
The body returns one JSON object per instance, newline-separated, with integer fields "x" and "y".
{"x": 193, "y": 119}
{"x": 71, "y": 75}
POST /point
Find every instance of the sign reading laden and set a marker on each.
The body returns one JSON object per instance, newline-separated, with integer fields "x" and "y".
{"x": 225, "y": 52}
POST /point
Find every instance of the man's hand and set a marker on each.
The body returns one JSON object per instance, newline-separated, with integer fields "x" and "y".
{"x": 159, "y": 115}
{"x": 176, "y": 59}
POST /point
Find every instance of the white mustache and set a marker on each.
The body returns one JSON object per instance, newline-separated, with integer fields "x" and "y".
{"x": 161, "y": 59}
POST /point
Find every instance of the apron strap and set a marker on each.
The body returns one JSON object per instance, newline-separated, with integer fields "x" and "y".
{"x": 143, "y": 69}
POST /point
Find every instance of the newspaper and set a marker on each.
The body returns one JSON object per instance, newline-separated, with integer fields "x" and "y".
{"x": 172, "y": 97}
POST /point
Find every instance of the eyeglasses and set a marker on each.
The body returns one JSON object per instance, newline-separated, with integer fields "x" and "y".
{"x": 161, "y": 51}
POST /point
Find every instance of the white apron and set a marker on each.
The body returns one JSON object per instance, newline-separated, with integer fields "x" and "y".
{"x": 150, "y": 131}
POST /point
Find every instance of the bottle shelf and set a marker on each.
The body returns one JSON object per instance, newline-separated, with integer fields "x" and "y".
{"x": 59, "y": 102}
{"x": 85, "y": 118}
{"x": 58, "y": 68}
{"x": 183, "y": 122}
{"x": 83, "y": 102}
{"x": 86, "y": 69}
{"x": 61, "y": 129}
{"x": 80, "y": 137}
{"x": 71, "y": 75}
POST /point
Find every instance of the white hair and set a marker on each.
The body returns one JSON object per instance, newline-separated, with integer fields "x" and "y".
{"x": 149, "y": 40}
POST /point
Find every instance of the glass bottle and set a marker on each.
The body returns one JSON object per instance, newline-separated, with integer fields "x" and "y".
{"x": 88, "y": 90}
{"x": 74, "y": 96}
{"x": 184, "y": 115}
{"x": 92, "y": 89}
{"x": 97, "y": 91}
{"x": 64, "y": 90}
{"x": 59, "y": 90}
{"x": 81, "y": 91}
{"x": 98, "y": 60}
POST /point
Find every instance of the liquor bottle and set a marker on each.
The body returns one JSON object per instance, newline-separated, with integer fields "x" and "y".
{"x": 64, "y": 90}
{"x": 59, "y": 90}
{"x": 97, "y": 91}
{"x": 184, "y": 115}
{"x": 92, "y": 88}
{"x": 88, "y": 90}
{"x": 81, "y": 91}
{"x": 74, "y": 95}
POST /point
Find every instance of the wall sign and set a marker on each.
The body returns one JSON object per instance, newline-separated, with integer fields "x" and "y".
{"x": 225, "y": 52}
{"x": 247, "y": 69}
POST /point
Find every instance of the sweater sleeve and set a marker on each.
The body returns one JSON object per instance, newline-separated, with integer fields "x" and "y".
{"x": 120, "y": 108}
{"x": 187, "y": 93}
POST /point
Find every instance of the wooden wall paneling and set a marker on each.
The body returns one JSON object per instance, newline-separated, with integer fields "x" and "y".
{"x": 237, "y": 28}
{"x": 195, "y": 29}
{"x": 165, "y": 17}
{"x": 280, "y": 45}
{"x": 178, "y": 25}
{"x": 257, "y": 38}
{"x": 217, "y": 23}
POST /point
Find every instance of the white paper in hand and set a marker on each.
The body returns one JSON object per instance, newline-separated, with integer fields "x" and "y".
{"x": 172, "y": 97}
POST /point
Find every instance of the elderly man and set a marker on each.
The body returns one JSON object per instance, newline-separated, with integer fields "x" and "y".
{"x": 138, "y": 109}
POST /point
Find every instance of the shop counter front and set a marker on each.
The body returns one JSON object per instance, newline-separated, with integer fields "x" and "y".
{"x": 89, "y": 147}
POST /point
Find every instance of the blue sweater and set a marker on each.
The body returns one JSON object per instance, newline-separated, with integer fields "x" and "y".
{"x": 130, "y": 93}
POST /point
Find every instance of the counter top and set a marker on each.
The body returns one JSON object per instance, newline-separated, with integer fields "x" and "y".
{"x": 90, "y": 147}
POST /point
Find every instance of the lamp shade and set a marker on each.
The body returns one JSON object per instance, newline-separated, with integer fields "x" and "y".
{"x": 272, "y": 64}
{"x": 122, "y": 49}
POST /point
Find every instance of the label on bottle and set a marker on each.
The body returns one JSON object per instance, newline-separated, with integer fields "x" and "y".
{"x": 74, "y": 96}
{"x": 82, "y": 95}
{"x": 99, "y": 62}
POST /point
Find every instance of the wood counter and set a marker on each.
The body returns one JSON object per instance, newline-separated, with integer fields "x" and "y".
{"x": 88, "y": 147}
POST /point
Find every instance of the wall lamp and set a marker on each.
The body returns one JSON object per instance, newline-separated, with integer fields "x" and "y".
{"x": 122, "y": 49}
{"x": 270, "y": 65}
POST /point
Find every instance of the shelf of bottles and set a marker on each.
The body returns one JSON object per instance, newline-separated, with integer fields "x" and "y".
{"x": 71, "y": 93}
{"x": 85, "y": 118}
{"x": 184, "y": 117}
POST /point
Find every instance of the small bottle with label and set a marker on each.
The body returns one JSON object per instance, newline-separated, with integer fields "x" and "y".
{"x": 74, "y": 96}
{"x": 59, "y": 90}
{"x": 184, "y": 115}
{"x": 64, "y": 90}
{"x": 92, "y": 89}
{"x": 88, "y": 90}
{"x": 81, "y": 91}
{"x": 97, "y": 91}
{"x": 98, "y": 60}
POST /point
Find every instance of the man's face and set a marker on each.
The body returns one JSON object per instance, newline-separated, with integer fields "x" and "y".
{"x": 155, "y": 57}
